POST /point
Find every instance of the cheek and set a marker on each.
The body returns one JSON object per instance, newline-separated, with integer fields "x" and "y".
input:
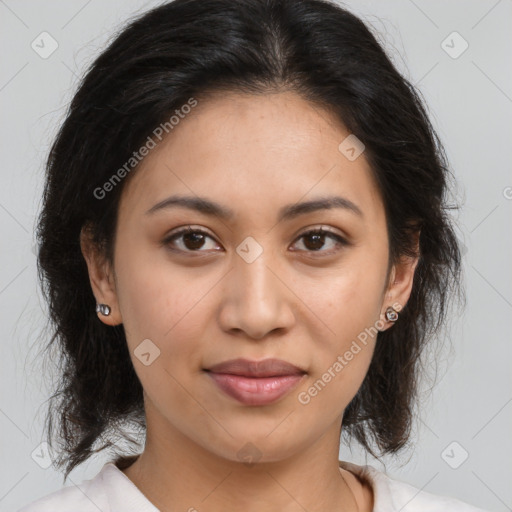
{"x": 350, "y": 300}
{"x": 168, "y": 307}
{"x": 160, "y": 301}
{"x": 349, "y": 304}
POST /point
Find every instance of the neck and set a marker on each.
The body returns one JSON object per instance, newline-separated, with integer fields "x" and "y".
{"x": 175, "y": 473}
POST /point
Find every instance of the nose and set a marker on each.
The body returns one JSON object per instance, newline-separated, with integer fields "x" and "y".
{"x": 256, "y": 298}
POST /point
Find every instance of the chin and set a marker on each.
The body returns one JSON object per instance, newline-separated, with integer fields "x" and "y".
{"x": 259, "y": 449}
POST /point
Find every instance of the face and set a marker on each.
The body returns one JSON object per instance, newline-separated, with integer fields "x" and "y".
{"x": 255, "y": 284}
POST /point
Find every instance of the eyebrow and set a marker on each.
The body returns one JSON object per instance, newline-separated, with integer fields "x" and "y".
{"x": 207, "y": 207}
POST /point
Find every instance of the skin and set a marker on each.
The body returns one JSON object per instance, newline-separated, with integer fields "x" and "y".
{"x": 253, "y": 154}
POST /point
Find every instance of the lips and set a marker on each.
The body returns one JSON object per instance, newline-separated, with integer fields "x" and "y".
{"x": 256, "y": 383}
{"x": 265, "y": 368}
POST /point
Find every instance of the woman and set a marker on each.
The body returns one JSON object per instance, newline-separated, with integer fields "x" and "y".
{"x": 245, "y": 249}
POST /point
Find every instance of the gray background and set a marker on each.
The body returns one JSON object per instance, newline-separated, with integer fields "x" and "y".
{"x": 470, "y": 101}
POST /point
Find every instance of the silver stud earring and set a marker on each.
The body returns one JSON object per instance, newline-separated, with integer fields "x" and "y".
{"x": 391, "y": 314}
{"x": 104, "y": 309}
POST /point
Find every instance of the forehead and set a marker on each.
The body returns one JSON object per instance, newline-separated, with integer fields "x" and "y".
{"x": 253, "y": 153}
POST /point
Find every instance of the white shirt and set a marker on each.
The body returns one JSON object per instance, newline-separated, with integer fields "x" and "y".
{"x": 112, "y": 491}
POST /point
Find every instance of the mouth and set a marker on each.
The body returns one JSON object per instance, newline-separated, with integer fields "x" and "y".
{"x": 256, "y": 382}
{"x": 265, "y": 368}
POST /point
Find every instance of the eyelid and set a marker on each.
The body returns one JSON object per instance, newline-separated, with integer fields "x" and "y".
{"x": 341, "y": 240}
{"x": 322, "y": 228}
{"x": 189, "y": 227}
{"x": 176, "y": 233}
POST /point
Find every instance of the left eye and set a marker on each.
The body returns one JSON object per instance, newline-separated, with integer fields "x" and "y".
{"x": 317, "y": 238}
{"x": 192, "y": 240}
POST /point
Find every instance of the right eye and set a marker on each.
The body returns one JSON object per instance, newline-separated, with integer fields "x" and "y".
{"x": 187, "y": 240}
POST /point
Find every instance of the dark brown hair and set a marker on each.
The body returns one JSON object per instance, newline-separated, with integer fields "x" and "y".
{"x": 187, "y": 48}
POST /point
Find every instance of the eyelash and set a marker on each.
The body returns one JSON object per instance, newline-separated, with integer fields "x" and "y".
{"x": 339, "y": 239}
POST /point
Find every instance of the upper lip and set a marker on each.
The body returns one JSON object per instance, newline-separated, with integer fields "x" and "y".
{"x": 266, "y": 368}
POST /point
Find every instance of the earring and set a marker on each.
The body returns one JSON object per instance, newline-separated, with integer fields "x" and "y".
{"x": 391, "y": 314}
{"x": 104, "y": 309}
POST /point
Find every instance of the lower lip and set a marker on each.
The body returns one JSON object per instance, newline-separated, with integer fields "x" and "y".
{"x": 255, "y": 390}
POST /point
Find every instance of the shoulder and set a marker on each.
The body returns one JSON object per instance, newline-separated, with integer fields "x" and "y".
{"x": 88, "y": 496}
{"x": 110, "y": 490}
{"x": 390, "y": 494}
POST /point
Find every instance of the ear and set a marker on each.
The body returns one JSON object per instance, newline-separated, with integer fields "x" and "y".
{"x": 101, "y": 277}
{"x": 400, "y": 282}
